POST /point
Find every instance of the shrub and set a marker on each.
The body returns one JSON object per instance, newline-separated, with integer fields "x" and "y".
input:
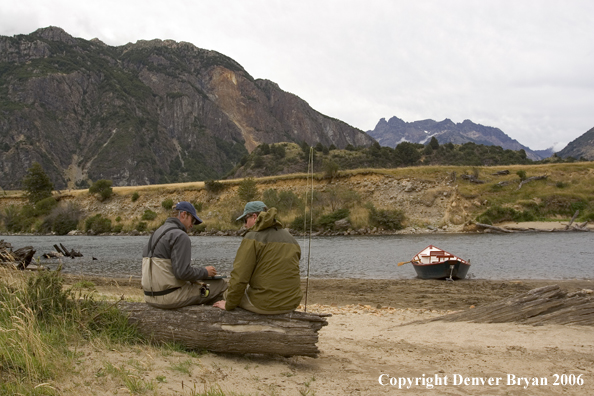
{"x": 98, "y": 224}
{"x": 141, "y": 226}
{"x": 135, "y": 196}
{"x": 64, "y": 223}
{"x": 102, "y": 188}
{"x": 45, "y": 206}
{"x": 330, "y": 169}
{"x": 248, "y": 190}
{"x": 117, "y": 228}
{"x": 214, "y": 186}
{"x": 299, "y": 223}
{"x": 150, "y": 215}
{"x": 270, "y": 198}
{"x": 167, "y": 204}
{"x": 497, "y": 214}
{"x": 288, "y": 200}
{"x": 37, "y": 184}
{"x": 386, "y": 219}
{"x": 521, "y": 174}
{"x": 327, "y": 221}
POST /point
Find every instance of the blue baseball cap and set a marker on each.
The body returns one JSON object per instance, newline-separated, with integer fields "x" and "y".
{"x": 253, "y": 207}
{"x": 188, "y": 207}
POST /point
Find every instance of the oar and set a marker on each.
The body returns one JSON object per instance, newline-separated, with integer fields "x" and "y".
{"x": 404, "y": 262}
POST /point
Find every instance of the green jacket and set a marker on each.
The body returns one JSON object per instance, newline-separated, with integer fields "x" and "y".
{"x": 268, "y": 261}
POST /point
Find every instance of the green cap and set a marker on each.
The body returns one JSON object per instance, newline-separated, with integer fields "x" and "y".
{"x": 253, "y": 207}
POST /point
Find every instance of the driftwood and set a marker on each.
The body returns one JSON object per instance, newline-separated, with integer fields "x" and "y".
{"x": 581, "y": 227}
{"x": 577, "y": 212}
{"x": 501, "y": 173}
{"x": 494, "y": 228}
{"x": 531, "y": 179}
{"x": 237, "y": 331}
{"x": 545, "y": 305}
{"x": 67, "y": 253}
{"x": 20, "y": 258}
{"x": 472, "y": 179}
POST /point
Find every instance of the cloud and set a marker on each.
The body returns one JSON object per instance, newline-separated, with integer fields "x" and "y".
{"x": 522, "y": 66}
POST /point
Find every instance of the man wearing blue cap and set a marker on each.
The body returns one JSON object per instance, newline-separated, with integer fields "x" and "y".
{"x": 168, "y": 278}
{"x": 265, "y": 276}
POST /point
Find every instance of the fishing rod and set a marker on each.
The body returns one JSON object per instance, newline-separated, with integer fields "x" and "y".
{"x": 309, "y": 172}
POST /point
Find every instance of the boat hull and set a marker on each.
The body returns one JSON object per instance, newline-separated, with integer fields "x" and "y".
{"x": 457, "y": 269}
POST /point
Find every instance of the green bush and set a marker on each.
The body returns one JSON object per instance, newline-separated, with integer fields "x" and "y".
{"x": 63, "y": 223}
{"x": 299, "y": 223}
{"x": 330, "y": 169}
{"x": 98, "y": 224}
{"x": 117, "y": 228}
{"x": 45, "y": 206}
{"x": 149, "y": 215}
{"x": 521, "y": 174}
{"x": 102, "y": 188}
{"x": 214, "y": 186}
{"x": 498, "y": 214}
{"x": 135, "y": 196}
{"x": 37, "y": 184}
{"x": 248, "y": 190}
{"x": 386, "y": 219}
{"x": 327, "y": 221}
{"x": 167, "y": 204}
{"x": 141, "y": 226}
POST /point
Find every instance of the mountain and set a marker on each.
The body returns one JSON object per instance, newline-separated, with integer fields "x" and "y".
{"x": 394, "y": 131}
{"x": 583, "y": 146}
{"x": 143, "y": 113}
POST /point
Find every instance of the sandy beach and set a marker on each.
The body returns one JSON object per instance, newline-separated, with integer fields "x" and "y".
{"x": 370, "y": 347}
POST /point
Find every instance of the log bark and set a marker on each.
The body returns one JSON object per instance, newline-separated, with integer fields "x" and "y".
{"x": 530, "y": 179}
{"x": 494, "y": 228}
{"x": 545, "y": 305}
{"x": 238, "y": 331}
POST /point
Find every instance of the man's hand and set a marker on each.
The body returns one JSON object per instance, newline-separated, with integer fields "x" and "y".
{"x": 211, "y": 270}
{"x": 219, "y": 304}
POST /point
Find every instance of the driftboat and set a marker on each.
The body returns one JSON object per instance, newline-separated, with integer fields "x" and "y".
{"x": 435, "y": 263}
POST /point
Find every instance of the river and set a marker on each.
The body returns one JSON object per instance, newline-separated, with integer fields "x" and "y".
{"x": 492, "y": 256}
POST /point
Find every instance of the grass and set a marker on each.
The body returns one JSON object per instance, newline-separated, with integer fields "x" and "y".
{"x": 568, "y": 187}
{"x": 40, "y": 321}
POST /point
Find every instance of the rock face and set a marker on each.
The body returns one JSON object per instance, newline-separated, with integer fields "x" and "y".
{"x": 394, "y": 131}
{"x": 143, "y": 113}
{"x": 580, "y": 147}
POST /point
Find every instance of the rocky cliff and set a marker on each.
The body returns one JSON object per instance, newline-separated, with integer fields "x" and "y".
{"x": 582, "y": 147}
{"x": 143, "y": 113}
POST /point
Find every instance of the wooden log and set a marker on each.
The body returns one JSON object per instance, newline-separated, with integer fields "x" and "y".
{"x": 577, "y": 212}
{"x": 530, "y": 179}
{"x": 545, "y": 305}
{"x": 494, "y": 228}
{"x": 238, "y": 331}
{"x": 23, "y": 256}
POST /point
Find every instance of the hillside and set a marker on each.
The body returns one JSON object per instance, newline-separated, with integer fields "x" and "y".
{"x": 143, "y": 113}
{"x": 430, "y": 199}
{"x": 582, "y": 147}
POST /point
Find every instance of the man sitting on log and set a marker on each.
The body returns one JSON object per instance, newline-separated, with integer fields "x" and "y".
{"x": 265, "y": 276}
{"x": 168, "y": 279}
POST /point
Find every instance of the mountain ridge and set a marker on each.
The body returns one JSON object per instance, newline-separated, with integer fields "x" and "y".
{"x": 395, "y": 130}
{"x": 154, "y": 111}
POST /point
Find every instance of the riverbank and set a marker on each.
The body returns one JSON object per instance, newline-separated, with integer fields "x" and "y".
{"x": 370, "y": 334}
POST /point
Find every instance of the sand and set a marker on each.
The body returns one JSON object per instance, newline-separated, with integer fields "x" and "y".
{"x": 370, "y": 347}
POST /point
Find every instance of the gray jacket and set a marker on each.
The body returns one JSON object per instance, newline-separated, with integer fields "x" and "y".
{"x": 176, "y": 246}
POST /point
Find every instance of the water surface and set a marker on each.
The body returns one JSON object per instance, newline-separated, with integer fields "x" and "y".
{"x": 492, "y": 256}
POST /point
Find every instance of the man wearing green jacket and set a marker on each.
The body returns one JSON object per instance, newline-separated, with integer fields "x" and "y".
{"x": 265, "y": 276}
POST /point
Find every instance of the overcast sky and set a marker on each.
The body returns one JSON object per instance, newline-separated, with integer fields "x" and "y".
{"x": 526, "y": 67}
